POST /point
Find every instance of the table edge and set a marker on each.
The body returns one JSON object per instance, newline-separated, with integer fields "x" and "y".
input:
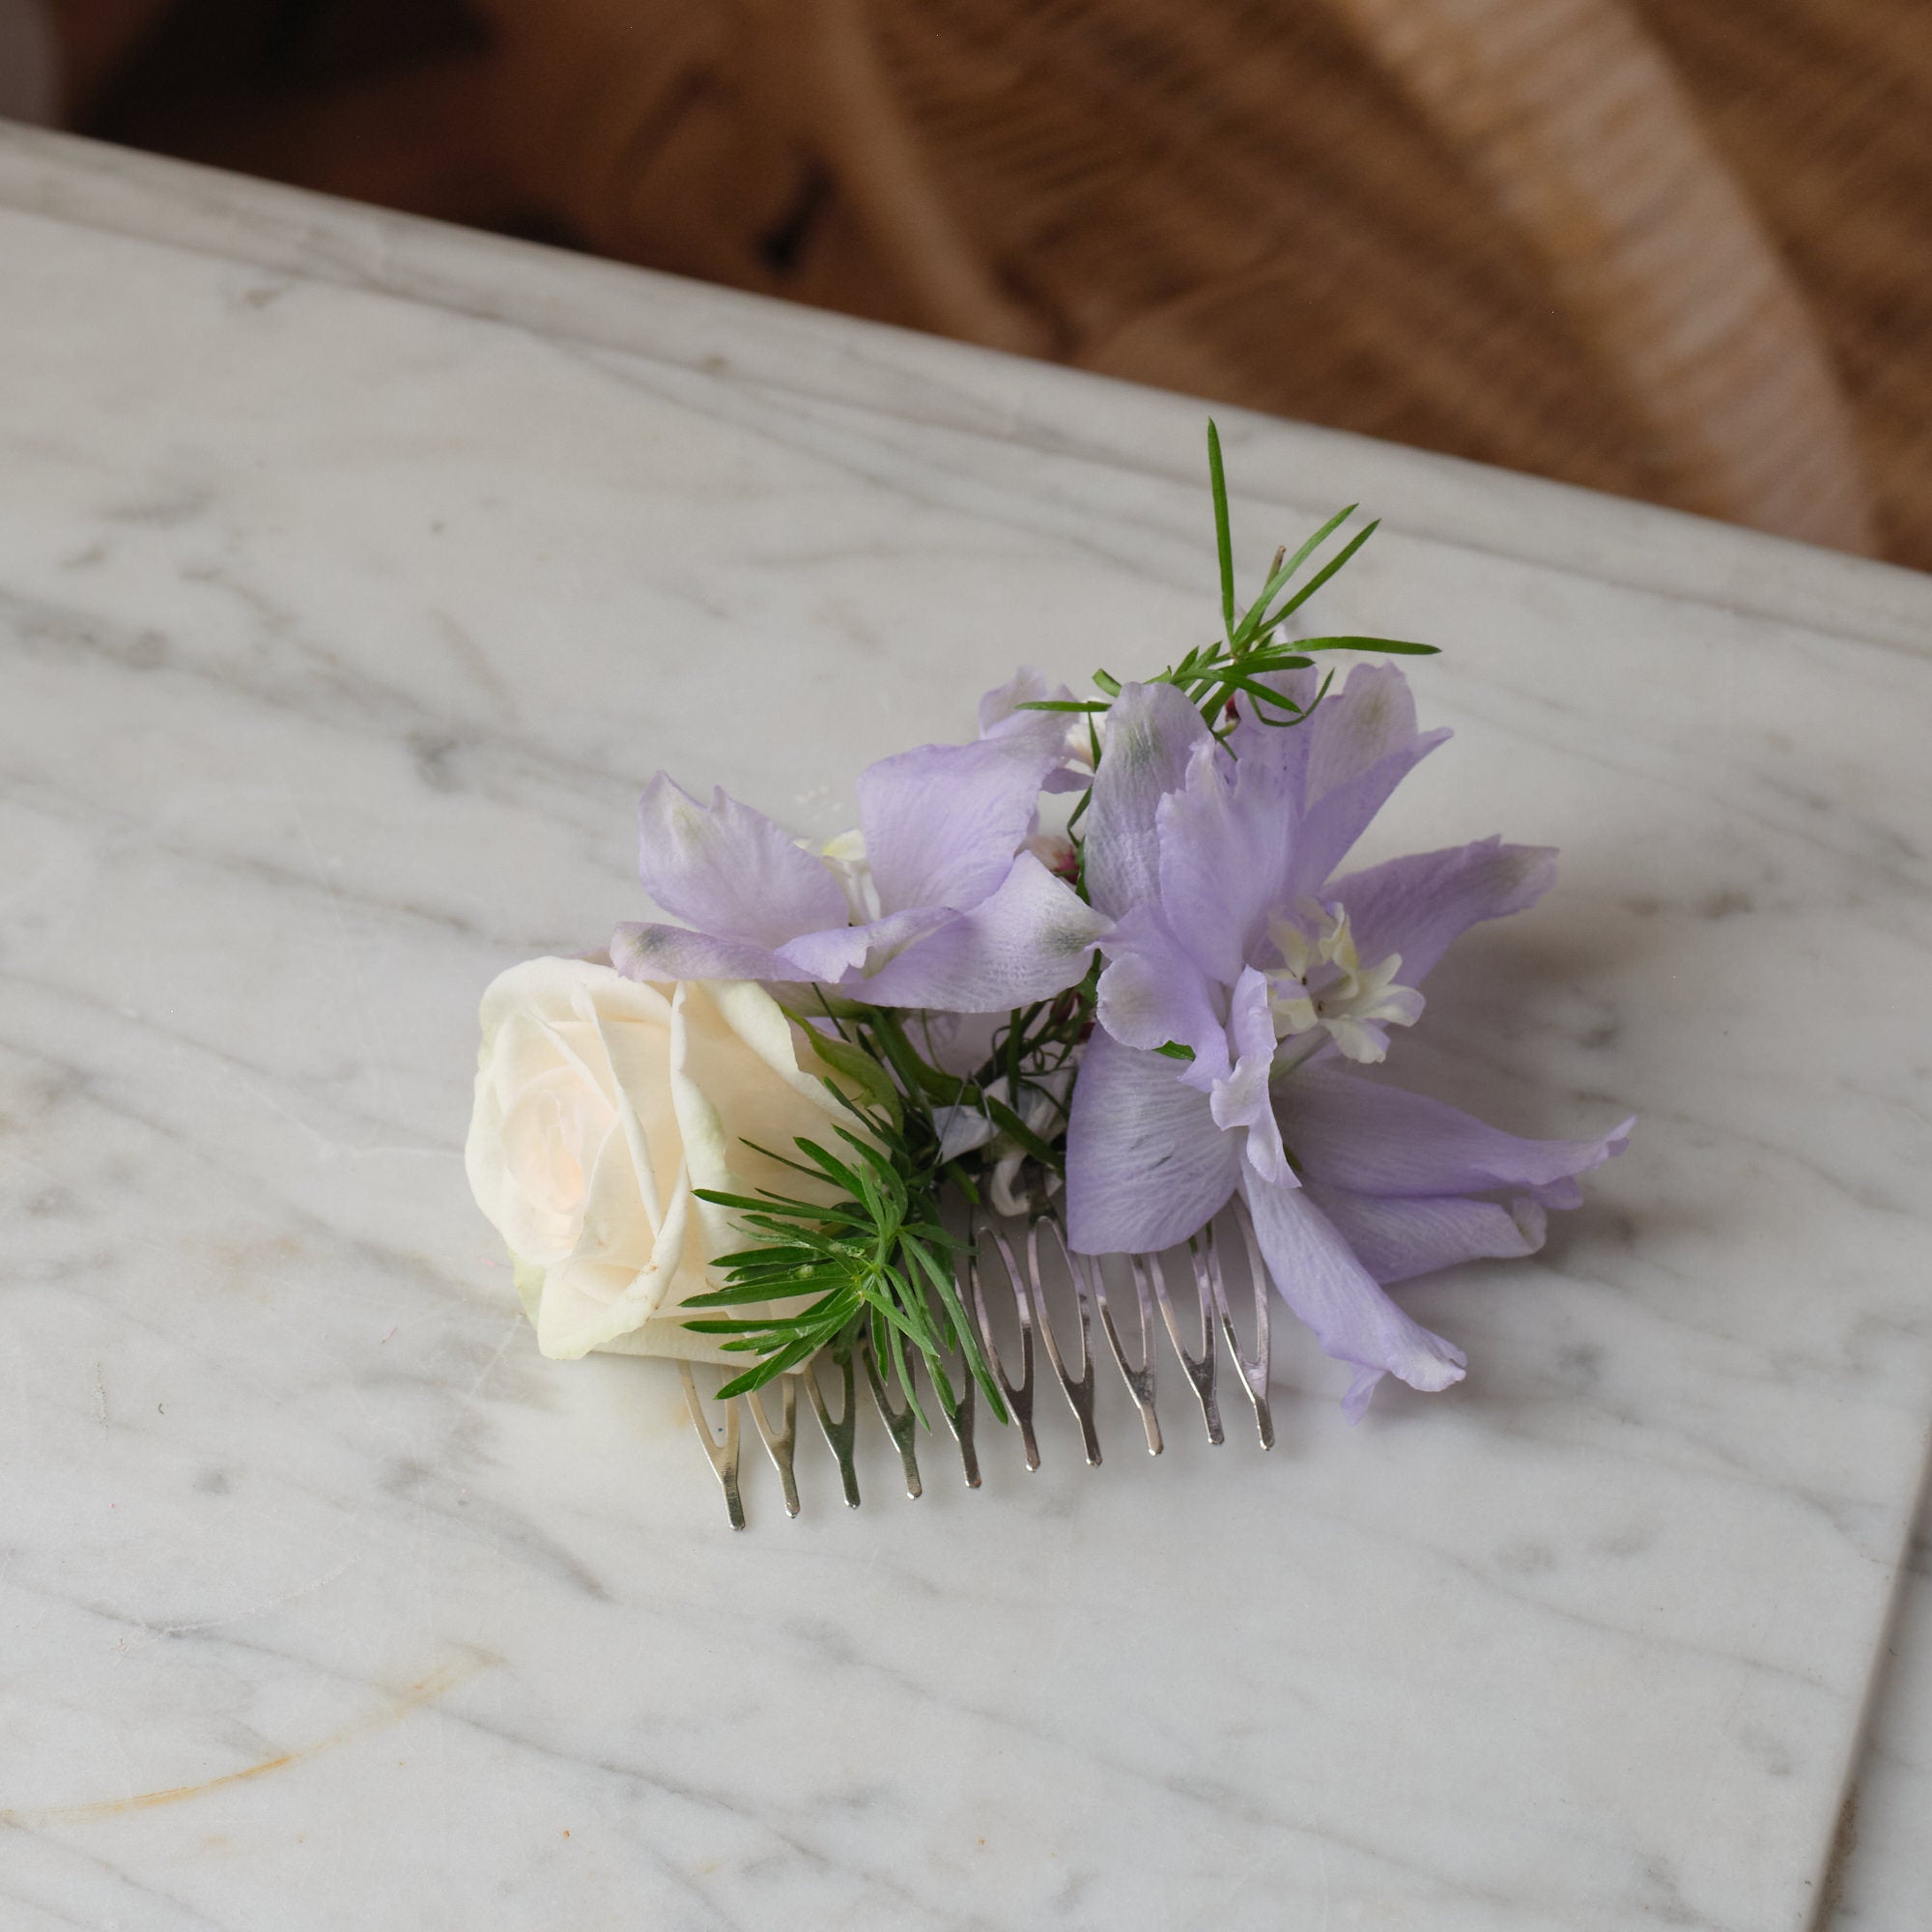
{"x": 1069, "y": 413}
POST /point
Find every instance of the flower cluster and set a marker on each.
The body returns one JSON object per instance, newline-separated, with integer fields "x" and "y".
{"x": 734, "y": 1135}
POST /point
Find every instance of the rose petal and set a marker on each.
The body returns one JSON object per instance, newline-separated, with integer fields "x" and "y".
{"x": 622, "y": 1265}
{"x": 727, "y": 1097}
{"x": 540, "y": 1075}
{"x": 600, "y": 1102}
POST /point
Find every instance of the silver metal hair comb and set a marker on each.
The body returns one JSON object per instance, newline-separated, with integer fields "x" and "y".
{"x": 1012, "y": 1274}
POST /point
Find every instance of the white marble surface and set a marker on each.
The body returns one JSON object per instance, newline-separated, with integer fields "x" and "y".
{"x": 351, "y": 576}
{"x": 1880, "y": 1879}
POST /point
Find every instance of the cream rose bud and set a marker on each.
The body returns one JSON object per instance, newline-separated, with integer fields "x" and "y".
{"x": 601, "y": 1103}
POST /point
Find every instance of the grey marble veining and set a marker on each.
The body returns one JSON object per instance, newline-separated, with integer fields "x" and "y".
{"x": 341, "y": 622}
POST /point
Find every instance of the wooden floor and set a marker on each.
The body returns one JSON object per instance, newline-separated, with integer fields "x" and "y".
{"x": 1239, "y": 198}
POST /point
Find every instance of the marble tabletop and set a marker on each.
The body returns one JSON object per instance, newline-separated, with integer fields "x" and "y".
{"x": 354, "y": 573}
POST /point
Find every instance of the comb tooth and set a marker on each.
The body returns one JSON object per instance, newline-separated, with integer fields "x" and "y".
{"x": 1251, "y": 1366}
{"x": 725, "y": 1460}
{"x": 840, "y": 1434}
{"x": 899, "y": 1423}
{"x": 960, "y": 1422}
{"x": 1019, "y": 1399}
{"x": 1200, "y": 1369}
{"x": 1079, "y": 1389}
{"x": 780, "y": 1443}
{"x": 1140, "y": 1381}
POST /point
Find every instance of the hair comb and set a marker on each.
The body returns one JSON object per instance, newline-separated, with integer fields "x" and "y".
{"x": 1014, "y": 1275}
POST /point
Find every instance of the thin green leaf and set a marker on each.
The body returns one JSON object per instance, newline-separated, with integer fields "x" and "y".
{"x": 737, "y": 1296}
{"x": 1251, "y": 624}
{"x": 967, "y": 1335}
{"x": 871, "y": 1151}
{"x": 1322, "y": 575}
{"x": 768, "y": 1369}
{"x": 835, "y": 1169}
{"x": 1224, "y": 540}
{"x": 856, "y": 1065}
{"x": 1261, "y": 693}
{"x": 748, "y": 1203}
{"x": 1395, "y": 647}
{"x": 906, "y": 1383}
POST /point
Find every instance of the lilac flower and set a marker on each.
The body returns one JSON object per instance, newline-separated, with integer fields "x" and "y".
{"x": 1233, "y": 943}
{"x": 932, "y": 903}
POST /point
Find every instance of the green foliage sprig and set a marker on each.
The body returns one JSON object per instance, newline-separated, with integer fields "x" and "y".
{"x": 878, "y": 1262}
{"x": 1248, "y": 650}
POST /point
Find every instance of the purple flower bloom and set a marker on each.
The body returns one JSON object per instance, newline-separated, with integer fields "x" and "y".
{"x": 932, "y": 903}
{"x": 1232, "y": 942}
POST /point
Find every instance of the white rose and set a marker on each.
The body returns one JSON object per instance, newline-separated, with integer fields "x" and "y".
{"x": 601, "y": 1103}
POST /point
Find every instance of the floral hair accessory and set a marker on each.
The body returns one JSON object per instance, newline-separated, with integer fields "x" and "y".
{"x": 1100, "y": 971}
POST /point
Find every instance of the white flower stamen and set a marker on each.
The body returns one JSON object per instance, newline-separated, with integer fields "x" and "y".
{"x": 1322, "y": 987}
{"x": 844, "y": 857}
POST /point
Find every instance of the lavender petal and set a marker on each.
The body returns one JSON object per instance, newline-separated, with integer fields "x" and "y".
{"x": 665, "y": 953}
{"x": 841, "y": 953}
{"x": 1340, "y": 766}
{"x": 1145, "y": 1165}
{"x": 959, "y": 1043}
{"x": 1027, "y": 941}
{"x": 1150, "y": 734}
{"x": 1397, "y": 1238}
{"x": 1000, "y": 716}
{"x": 1241, "y": 1099}
{"x": 1336, "y": 818}
{"x": 1373, "y": 1139}
{"x": 1153, "y": 992}
{"x": 942, "y": 822}
{"x": 1336, "y": 1297}
{"x": 1370, "y": 720}
{"x": 1418, "y": 905}
{"x": 730, "y": 870}
{"x": 1226, "y": 844}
